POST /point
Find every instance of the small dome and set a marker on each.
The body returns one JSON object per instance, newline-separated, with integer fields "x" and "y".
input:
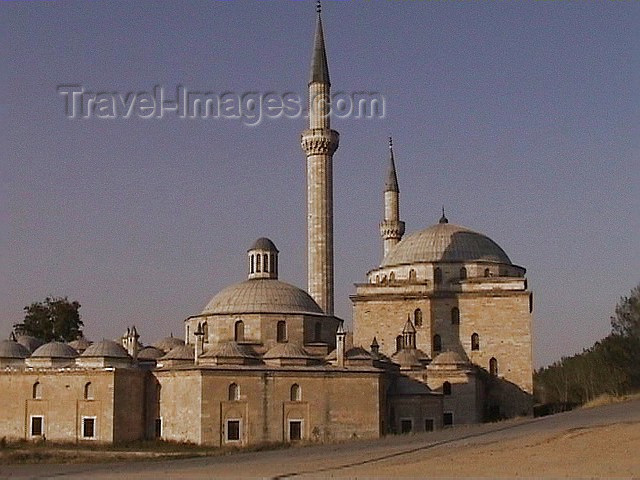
{"x": 408, "y": 358}
{"x": 55, "y": 350}
{"x": 105, "y": 349}
{"x": 150, "y": 353}
{"x": 11, "y": 349}
{"x": 182, "y": 352}
{"x": 445, "y": 242}
{"x": 409, "y": 386}
{"x": 263, "y": 295}
{"x": 168, "y": 343}
{"x": 449, "y": 358}
{"x": 358, "y": 353}
{"x": 287, "y": 350}
{"x": 29, "y": 342}
{"x": 263, "y": 243}
{"x": 80, "y": 344}
{"x": 229, "y": 350}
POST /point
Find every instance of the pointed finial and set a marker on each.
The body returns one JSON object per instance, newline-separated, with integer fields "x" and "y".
{"x": 391, "y": 182}
{"x": 443, "y": 219}
{"x": 318, "y": 6}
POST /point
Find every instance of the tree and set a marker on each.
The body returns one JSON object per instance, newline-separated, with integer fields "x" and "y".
{"x": 626, "y": 321}
{"x": 55, "y": 319}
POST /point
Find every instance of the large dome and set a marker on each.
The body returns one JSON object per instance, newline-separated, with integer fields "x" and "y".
{"x": 262, "y": 295}
{"x": 445, "y": 242}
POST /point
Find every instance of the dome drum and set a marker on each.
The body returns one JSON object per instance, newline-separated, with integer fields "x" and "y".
{"x": 262, "y": 331}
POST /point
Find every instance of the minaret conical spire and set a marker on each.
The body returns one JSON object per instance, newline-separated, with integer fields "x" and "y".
{"x": 319, "y": 64}
{"x": 391, "y": 184}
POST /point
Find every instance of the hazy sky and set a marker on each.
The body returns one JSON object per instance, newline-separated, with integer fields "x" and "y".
{"x": 522, "y": 118}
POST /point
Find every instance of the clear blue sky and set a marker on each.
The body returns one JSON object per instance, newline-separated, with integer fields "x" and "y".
{"x": 522, "y": 118}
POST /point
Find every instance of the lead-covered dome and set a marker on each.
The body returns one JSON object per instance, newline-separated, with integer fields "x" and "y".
{"x": 445, "y": 242}
{"x": 13, "y": 350}
{"x": 107, "y": 349}
{"x": 262, "y": 295}
{"x": 55, "y": 350}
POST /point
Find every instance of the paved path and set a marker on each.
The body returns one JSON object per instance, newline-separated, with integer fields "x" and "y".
{"x": 368, "y": 458}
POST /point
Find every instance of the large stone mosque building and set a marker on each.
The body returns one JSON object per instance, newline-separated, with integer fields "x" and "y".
{"x": 441, "y": 336}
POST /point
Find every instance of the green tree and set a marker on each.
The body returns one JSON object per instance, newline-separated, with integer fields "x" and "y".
{"x": 626, "y": 321}
{"x": 54, "y": 319}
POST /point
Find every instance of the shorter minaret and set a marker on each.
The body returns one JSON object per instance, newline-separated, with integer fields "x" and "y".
{"x": 391, "y": 228}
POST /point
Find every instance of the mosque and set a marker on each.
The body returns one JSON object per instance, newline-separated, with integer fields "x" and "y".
{"x": 441, "y": 336}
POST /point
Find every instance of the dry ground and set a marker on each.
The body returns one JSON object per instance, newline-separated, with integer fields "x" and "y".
{"x": 598, "y": 442}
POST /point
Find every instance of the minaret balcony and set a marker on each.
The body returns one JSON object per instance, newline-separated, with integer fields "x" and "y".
{"x": 391, "y": 229}
{"x": 319, "y": 141}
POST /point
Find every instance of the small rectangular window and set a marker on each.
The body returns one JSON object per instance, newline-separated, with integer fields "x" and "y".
{"x": 233, "y": 430}
{"x": 158, "y": 427}
{"x": 295, "y": 430}
{"x": 88, "y": 427}
{"x": 428, "y": 424}
{"x": 37, "y": 426}
{"x": 447, "y": 419}
{"x": 406, "y": 425}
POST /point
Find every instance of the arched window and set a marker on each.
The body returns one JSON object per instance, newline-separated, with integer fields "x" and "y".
{"x": 487, "y": 272}
{"x": 88, "y": 391}
{"x": 398, "y": 343}
{"x": 417, "y": 317}
{"x": 281, "y": 331}
{"x": 475, "y": 342}
{"x": 377, "y": 278}
{"x": 455, "y": 316}
{"x": 493, "y": 366}
{"x": 463, "y": 273}
{"x": 412, "y": 275}
{"x": 258, "y": 257}
{"x": 265, "y": 262}
{"x": 251, "y": 267}
{"x": 437, "y": 343}
{"x": 272, "y": 266}
{"x": 392, "y": 277}
{"x": 238, "y": 331}
{"x": 234, "y": 392}
{"x": 37, "y": 391}
{"x": 296, "y": 393}
{"x": 446, "y": 388}
{"x": 437, "y": 276}
{"x": 205, "y": 332}
{"x": 317, "y": 332}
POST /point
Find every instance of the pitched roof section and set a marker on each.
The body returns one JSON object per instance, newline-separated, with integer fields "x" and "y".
{"x": 319, "y": 65}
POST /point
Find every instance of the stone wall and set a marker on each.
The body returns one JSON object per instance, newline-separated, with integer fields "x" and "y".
{"x": 60, "y": 401}
{"x": 197, "y": 404}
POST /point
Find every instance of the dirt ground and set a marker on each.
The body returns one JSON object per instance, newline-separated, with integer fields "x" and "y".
{"x": 602, "y": 451}
{"x": 587, "y": 443}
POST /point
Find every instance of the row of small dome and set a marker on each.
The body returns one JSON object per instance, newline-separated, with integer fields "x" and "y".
{"x": 25, "y": 346}
{"x": 173, "y": 351}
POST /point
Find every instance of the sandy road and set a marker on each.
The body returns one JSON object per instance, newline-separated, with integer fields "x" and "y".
{"x": 598, "y": 442}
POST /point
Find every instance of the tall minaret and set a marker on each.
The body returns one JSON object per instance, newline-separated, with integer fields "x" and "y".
{"x": 391, "y": 228}
{"x": 319, "y": 142}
